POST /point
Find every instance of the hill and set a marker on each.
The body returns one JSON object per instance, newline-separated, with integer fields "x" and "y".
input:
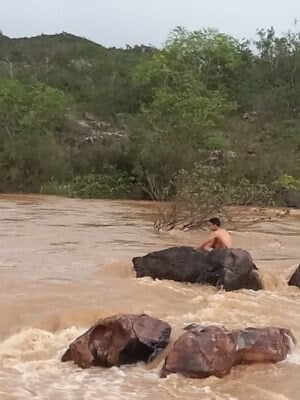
{"x": 204, "y": 119}
{"x": 97, "y": 78}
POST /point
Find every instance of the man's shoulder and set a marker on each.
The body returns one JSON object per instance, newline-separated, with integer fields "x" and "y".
{"x": 223, "y": 231}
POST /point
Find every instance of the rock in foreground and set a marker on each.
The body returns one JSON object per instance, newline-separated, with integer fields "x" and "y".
{"x": 117, "y": 340}
{"x": 231, "y": 269}
{"x": 295, "y": 279}
{"x": 202, "y": 352}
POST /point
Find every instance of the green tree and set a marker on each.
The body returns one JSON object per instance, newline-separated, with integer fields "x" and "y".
{"x": 193, "y": 82}
{"x": 30, "y": 120}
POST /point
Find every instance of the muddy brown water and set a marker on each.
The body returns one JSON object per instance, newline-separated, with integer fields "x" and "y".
{"x": 64, "y": 263}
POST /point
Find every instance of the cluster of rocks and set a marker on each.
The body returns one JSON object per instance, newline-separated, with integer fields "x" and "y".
{"x": 198, "y": 353}
{"x": 203, "y": 352}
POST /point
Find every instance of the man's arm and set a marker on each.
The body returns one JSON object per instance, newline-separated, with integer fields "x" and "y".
{"x": 208, "y": 241}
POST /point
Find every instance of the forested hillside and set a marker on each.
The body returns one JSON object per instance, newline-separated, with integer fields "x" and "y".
{"x": 205, "y": 117}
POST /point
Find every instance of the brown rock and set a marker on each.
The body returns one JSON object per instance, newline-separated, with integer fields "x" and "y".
{"x": 266, "y": 345}
{"x": 117, "y": 340}
{"x": 202, "y": 352}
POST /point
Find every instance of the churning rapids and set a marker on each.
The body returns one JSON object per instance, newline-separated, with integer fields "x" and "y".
{"x": 64, "y": 263}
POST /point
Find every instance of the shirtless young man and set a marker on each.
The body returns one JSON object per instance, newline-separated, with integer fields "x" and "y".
{"x": 218, "y": 238}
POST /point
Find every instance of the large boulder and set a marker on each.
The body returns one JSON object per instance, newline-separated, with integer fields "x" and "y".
{"x": 231, "y": 269}
{"x": 289, "y": 198}
{"x": 202, "y": 352}
{"x": 295, "y": 279}
{"x": 117, "y": 340}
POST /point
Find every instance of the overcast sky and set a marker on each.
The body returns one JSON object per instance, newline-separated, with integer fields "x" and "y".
{"x": 120, "y": 22}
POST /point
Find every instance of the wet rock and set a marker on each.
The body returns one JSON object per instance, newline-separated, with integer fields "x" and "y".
{"x": 117, "y": 340}
{"x": 295, "y": 279}
{"x": 235, "y": 269}
{"x": 231, "y": 269}
{"x": 290, "y": 198}
{"x": 265, "y": 345}
{"x": 182, "y": 264}
{"x": 293, "y": 199}
{"x": 203, "y": 352}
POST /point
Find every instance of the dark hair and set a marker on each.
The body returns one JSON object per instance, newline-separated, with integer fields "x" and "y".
{"x": 215, "y": 221}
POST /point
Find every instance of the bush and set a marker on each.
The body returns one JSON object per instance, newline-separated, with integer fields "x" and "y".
{"x": 56, "y": 188}
{"x": 30, "y": 118}
{"x": 104, "y": 187}
{"x": 287, "y": 182}
{"x": 200, "y": 194}
{"x": 245, "y": 193}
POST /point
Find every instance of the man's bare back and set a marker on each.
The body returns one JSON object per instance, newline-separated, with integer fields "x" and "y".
{"x": 218, "y": 238}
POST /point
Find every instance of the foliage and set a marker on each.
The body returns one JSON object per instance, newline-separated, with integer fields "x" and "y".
{"x": 200, "y": 194}
{"x": 103, "y": 186}
{"x": 55, "y": 188}
{"x": 189, "y": 97}
{"x": 98, "y": 79}
{"x": 245, "y": 193}
{"x": 29, "y": 118}
{"x": 287, "y": 182}
{"x": 206, "y": 121}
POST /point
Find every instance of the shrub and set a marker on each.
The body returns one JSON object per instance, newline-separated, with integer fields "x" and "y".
{"x": 103, "y": 186}
{"x": 199, "y": 195}
{"x": 287, "y": 182}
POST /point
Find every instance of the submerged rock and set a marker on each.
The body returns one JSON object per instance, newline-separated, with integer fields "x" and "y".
{"x": 295, "y": 279}
{"x": 203, "y": 352}
{"x": 117, "y": 340}
{"x": 231, "y": 269}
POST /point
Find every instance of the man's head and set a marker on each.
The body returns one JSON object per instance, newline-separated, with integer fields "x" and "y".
{"x": 214, "y": 224}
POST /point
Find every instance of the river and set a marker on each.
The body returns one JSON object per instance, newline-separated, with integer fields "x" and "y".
{"x": 64, "y": 263}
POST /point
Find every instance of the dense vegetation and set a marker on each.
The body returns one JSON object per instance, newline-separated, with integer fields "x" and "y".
{"x": 205, "y": 117}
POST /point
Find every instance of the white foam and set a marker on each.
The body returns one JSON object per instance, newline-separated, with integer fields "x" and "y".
{"x": 293, "y": 358}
